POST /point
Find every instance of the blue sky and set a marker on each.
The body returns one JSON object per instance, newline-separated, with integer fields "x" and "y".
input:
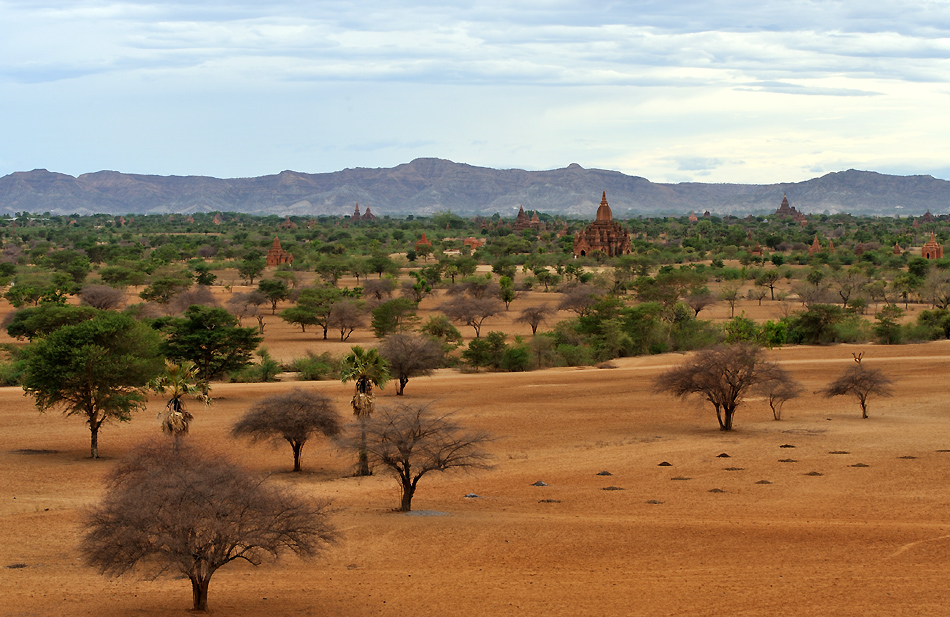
{"x": 711, "y": 91}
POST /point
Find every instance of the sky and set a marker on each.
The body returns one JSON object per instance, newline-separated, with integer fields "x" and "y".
{"x": 748, "y": 91}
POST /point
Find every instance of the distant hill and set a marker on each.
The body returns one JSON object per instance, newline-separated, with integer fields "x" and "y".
{"x": 425, "y": 186}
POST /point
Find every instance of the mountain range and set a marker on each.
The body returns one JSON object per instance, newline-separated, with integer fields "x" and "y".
{"x": 428, "y": 185}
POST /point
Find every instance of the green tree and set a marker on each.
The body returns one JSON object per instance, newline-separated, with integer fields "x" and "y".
{"x": 251, "y": 267}
{"x": 211, "y": 338}
{"x": 97, "y": 369}
{"x": 275, "y": 291}
{"x": 314, "y": 306}
{"x": 36, "y": 321}
{"x": 393, "y": 315}
{"x": 367, "y": 369}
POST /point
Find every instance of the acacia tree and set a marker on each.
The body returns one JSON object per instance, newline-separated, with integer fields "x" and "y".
{"x": 471, "y": 311}
{"x": 778, "y": 387}
{"x": 411, "y": 355}
{"x": 534, "y": 316}
{"x": 172, "y": 508}
{"x": 97, "y": 369}
{"x": 722, "y": 375}
{"x": 367, "y": 368}
{"x": 410, "y": 441}
{"x": 295, "y": 416}
{"x": 862, "y": 382}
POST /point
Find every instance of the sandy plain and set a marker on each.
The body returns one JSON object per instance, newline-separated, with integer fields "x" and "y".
{"x": 854, "y": 522}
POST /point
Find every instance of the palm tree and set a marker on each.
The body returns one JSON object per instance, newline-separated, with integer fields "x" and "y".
{"x": 179, "y": 380}
{"x": 367, "y": 368}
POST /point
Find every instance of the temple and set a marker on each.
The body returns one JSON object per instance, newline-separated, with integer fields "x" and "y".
{"x": 277, "y": 255}
{"x": 367, "y": 216}
{"x": 603, "y": 235}
{"x": 522, "y": 221}
{"x": 789, "y": 211}
{"x": 933, "y": 249}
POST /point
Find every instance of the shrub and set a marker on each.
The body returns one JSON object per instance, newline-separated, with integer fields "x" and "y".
{"x": 316, "y": 367}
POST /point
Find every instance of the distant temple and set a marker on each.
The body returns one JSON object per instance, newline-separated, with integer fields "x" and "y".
{"x": 423, "y": 242}
{"x": 603, "y": 235}
{"x": 815, "y": 246}
{"x": 786, "y": 210}
{"x": 522, "y": 221}
{"x": 368, "y": 216}
{"x": 933, "y": 249}
{"x": 277, "y": 255}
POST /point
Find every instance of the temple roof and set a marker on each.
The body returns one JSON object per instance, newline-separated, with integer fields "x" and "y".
{"x": 603, "y": 212}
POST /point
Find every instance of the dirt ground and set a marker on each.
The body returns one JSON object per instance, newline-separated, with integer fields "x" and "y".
{"x": 821, "y": 513}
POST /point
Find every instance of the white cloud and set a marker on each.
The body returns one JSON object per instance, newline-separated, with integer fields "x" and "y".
{"x": 766, "y": 91}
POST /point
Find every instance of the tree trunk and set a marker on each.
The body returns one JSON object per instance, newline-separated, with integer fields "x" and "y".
{"x": 297, "y": 446}
{"x": 94, "y": 439}
{"x": 407, "y": 492}
{"x": 363, "y": 458}
{"x": 402, "y": 385}
{"x": 199, "y": 594}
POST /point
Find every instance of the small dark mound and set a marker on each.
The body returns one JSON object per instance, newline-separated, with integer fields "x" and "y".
{"x": 723, "y": 455}
{"x": 604, "y": 473}
{"x": 814, "y": 473}
{"x": 787, "y": 460}
{"x": 943, "y": 450}
{"x": 839, "y": 452}
{"x": 607, "y": 364}
{"x": 763, "y": 482}
{"x": 540, "y": 483}
{"x": 716, "y": 490}
{"x": 549, "y": 501}
{"x": 611, "y": 488}
{"x": 665, "y": 464}
{"x": 29, "y": 451}
{"x": 732, "y": 469}
{"x": 654, "y": 501}
{"x": 16, "y": 566}
{"x": 859, "y": 465}
{"x": 680, "y": 478}
{"x": 472, "y": 496}
{"x": 786, "y": 445}
{"x": 907, "y": 457}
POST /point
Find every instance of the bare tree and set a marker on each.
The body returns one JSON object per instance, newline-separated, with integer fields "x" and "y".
{"x": 411, "y": 355}
{"x": 378, "y": 289}
{"x": 102, "y": 297}
{"x": 476, "y": 287}
{"x": 861, "y": 382}
{"x": 295, "y": 416}
{"x": 470, "y": 311}
{"x": 722, "y": 375}
{"x": 534, "y": 316}
{"x": 346, "y": 316}
{"x": 580, "y": 299}
{"x": 730, "y": 295}
{"x": 778, "y": 386}
{"x": 175, "y": 509}
{"x": 199, "y": 294}
{"x": 248, "y": 305}
{"x": 411, "y": 441}
{"x": 699, "y": 300}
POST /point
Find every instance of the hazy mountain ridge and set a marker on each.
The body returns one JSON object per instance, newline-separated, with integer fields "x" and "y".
{"x": 429, "y": 185}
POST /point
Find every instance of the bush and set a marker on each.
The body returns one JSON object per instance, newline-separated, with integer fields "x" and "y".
{"x": 316, "y": 367}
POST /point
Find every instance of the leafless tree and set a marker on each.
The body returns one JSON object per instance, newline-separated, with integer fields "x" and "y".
{"x": 247, "y": 304}
{"x": 778, "y": 386}
{"x": 295, "y": 416}
{"x": 378, "y": 289}
{"x": 580, "y": 299}
{"x": 102, "y": 297}
{"x": 199, "y": 294}
{"x": 411, "y": 355}
{"x": 721, "y": 375}
{"x": 175, "y": 509}
{"x": 756, "y": 294}
{"x": 346, "y": 316}
{"x": 534, "y": 316}
{"x": 410, "y": 441}
{"x": 862, "y": 382}
{"x": 476, "y": 287}
{"x": 699, "y": 300}
{"x": 471, "y": 311}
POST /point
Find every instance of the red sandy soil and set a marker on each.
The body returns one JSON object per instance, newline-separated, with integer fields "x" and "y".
{"x": 852, "y": 541}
